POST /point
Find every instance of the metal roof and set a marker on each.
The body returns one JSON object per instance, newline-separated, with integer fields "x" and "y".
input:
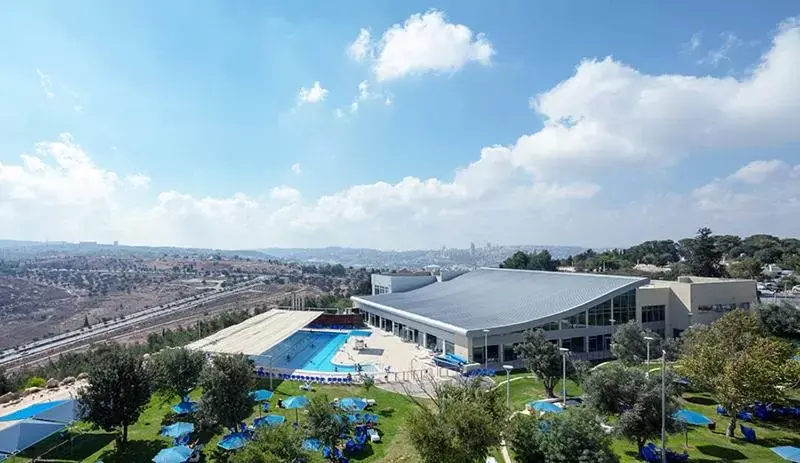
{"x": 493, "y": 298}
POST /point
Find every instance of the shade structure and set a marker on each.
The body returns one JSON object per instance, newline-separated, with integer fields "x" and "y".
{"x": 177, "y": 429}
{"x": 261, "y": 395}
{"x": 43, "y": 410}
{"x": 787, "y": 452}
{"x": 185, "y": 408}
{"x": 178, "y": 454}
{"x": 26, "y": 433}
{"x": 547, "y": 407}
{"x": 352, "y": 404}
{"x": 269, "y": 420}
{"x": 296, "y": 402}
{"x": 234, "y": 441}
{"x": 691, "y": 417}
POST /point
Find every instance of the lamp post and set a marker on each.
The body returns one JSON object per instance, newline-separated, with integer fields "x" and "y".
{"x": 663, "y": 406}
{"x": 485, "y": 349}
{"x": 270, "y": 372}
{"x": 648, "y": 339}
{"x": 508, "y": 369}
{"x": 564, "y": 352}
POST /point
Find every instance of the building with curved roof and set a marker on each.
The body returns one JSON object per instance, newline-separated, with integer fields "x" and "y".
{"x": 463, "y": 312}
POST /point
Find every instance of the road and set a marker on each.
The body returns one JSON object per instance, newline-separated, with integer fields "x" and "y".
{"x": 34, "y": 349}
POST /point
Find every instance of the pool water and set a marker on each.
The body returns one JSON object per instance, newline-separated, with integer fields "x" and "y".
{"x": 314, "y": 351}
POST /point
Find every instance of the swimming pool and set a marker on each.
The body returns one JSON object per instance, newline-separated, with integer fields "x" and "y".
{"x": 314, "y": 351}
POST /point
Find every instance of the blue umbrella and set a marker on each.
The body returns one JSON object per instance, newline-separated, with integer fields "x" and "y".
{"x": 787, "y": 452}
{"x": 185, "y": 408}
{"x": 177, "y": 454}
{"x": 261, "y": 395}
{"x": 352, "y": 404}
{"x": 269, "y": 420}
{"x": 177, "y": 430}
{"x": 547, "y": 407}
{"x": 312, "y": 444}
{"x": 234, "y": 441}
{"x": 296, "y": 402}
{"x": 690, "y": 417}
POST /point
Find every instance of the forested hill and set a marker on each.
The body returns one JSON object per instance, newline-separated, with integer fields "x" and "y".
{"x": 705, "y": 254}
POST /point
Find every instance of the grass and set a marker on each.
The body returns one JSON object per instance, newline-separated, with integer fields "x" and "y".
{"x": 144, "y": 441}
{"x": 704, "y": 445}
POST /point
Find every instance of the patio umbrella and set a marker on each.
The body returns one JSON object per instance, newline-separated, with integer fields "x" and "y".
{"x": 690, "y": 417}
{"x": 177, "y": 454}
{"x": 296, "y": 402}
{"x": 787, "y": 452}
{"x": 547, "y": 407}
{"x": 234, "y": 441}
{"x": 269, "y": 420}
{"x": 185, "y": 408}
{"x": 177, "y": 430}
{"x": 352, "y": 404}
{"x": 312, "y": 444}
{"x": 261, "y": 395}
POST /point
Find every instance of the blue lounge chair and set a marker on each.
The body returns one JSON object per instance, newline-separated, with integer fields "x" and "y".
{"x": 745, "y": 416}
{"x": 748, "y": 433}
{"x": 650, "y": 453}
{"x": 721, "y": 410}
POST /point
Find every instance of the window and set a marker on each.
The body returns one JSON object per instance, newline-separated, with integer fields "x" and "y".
{"x": 477, "y": 354}
{"x": 624, "y": 308}
{"x": 653, "y": 313}
{"x": 431, "y": 342}
{"x": 718, "y": 307}
{"x": 508, "y": 352}
{"x": 575, "y": 321}
{"x": 600, "y": 314}
{"x": 494, "y": 353}
{"x": 552, "y": 326}
{"x": 449, "y": 347}
{"x": 600, "y": 343}
{"x": 378, "y": 289}
{"x": 574, "y": 344}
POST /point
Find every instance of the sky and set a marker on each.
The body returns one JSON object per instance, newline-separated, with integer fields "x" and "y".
{"x": 397, "y": 125}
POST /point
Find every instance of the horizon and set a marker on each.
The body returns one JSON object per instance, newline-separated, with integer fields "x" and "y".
{"x": 397, "y": 127}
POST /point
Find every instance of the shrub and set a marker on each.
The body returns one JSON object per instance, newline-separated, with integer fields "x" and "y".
{"x": 35, "y": 381}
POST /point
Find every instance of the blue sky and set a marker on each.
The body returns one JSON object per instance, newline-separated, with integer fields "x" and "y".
{"x": 188, "y": 121}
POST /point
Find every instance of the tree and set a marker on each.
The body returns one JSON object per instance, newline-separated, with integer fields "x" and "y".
{"x": 518, "y": 260}
{"x": 524, "y": 438}
{"x": 86, "y": 323}
{"x": 611, "y": 389}
{"x": 781, "y": 320}
{"x": 542, "y": 358}
{"x": 118, "y": 389}
{"x": 737, "y": 363}
{"x": 703, "y": 254}
{"x": 461, "y": 423}
{"x": 324, "y": 421}
{"x": 177, "y": 371}
{"x": 629, "y": 345}
{"x": 367, "y": 382}
{"x": 521, "y": 260}
{"x": 746, "y": 267}
{"x": 273, "y": 445}
{"x": 572, "y": 436}
{"x": 226, "y": 384}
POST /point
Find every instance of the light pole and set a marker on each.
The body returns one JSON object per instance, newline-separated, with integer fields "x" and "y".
{"x": 270, "y": 372}
{"x": 663, "y": 406}
{"x": 508, "y": 369}
{"x": 564, "y": 352}
{"x": 648, "y": 339}
{"x": 485, "y": 349}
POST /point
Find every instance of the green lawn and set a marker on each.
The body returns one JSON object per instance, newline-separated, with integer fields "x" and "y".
{"x": 704, "y": 445}
{"x": 145, "y": 441}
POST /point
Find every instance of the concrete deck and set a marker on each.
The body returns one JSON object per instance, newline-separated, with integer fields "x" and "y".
{"x": 385, "y": 349}
{"x": 256, "y": 334}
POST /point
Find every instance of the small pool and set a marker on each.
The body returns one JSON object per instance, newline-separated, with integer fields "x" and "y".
{"x": 314, "y": 351}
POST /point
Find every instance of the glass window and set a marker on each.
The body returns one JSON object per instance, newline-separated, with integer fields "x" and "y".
{"x": 718, "y": 307}
{"x": 431, "y": 342}
{"x": 494, "y": 353}
{"x": 449, "y": 347}
{"x": 575, "y": 344}
{"x": 575, "y": 321}
{"x": 477, "y": 354}
{"x": 653, "y": 313}
{"x": 624, "y": 308}
{"x": 596, "y": 343}
{"x": 552, "y": 326}
{"x": 600, "y": 314}
{"x": 508, "y": 352}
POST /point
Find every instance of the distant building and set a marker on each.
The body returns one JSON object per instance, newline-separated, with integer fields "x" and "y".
{"x": 116, "y": 243}
{"x": 472, "y": 248}
{"x": 450, "y": 311}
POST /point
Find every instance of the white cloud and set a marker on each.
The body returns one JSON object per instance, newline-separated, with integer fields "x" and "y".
{"x": 729, "y": 43}
{"x": 46, "y": 83}
{"x": 296, "y": 168}
{"x": 609, "y": 113}
{"x": 694, "y": 42}
{"x": 138, "y": 181}
{"x": 315, "y": 94}
{"x": 364, "y": 94}
{"x": 361, "y": 47}
{"x": 339, "y": 113}
{"x": 285, "y": 194}
{"x": 424, "y": 43}
{"x": 547, "y": 187}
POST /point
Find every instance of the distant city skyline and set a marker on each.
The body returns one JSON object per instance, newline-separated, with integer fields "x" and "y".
{"x": 397, "y": 125}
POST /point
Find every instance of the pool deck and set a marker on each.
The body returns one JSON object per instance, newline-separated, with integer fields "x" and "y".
{"x": 384, "y": 349}
{"x": 256, "y": 334}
